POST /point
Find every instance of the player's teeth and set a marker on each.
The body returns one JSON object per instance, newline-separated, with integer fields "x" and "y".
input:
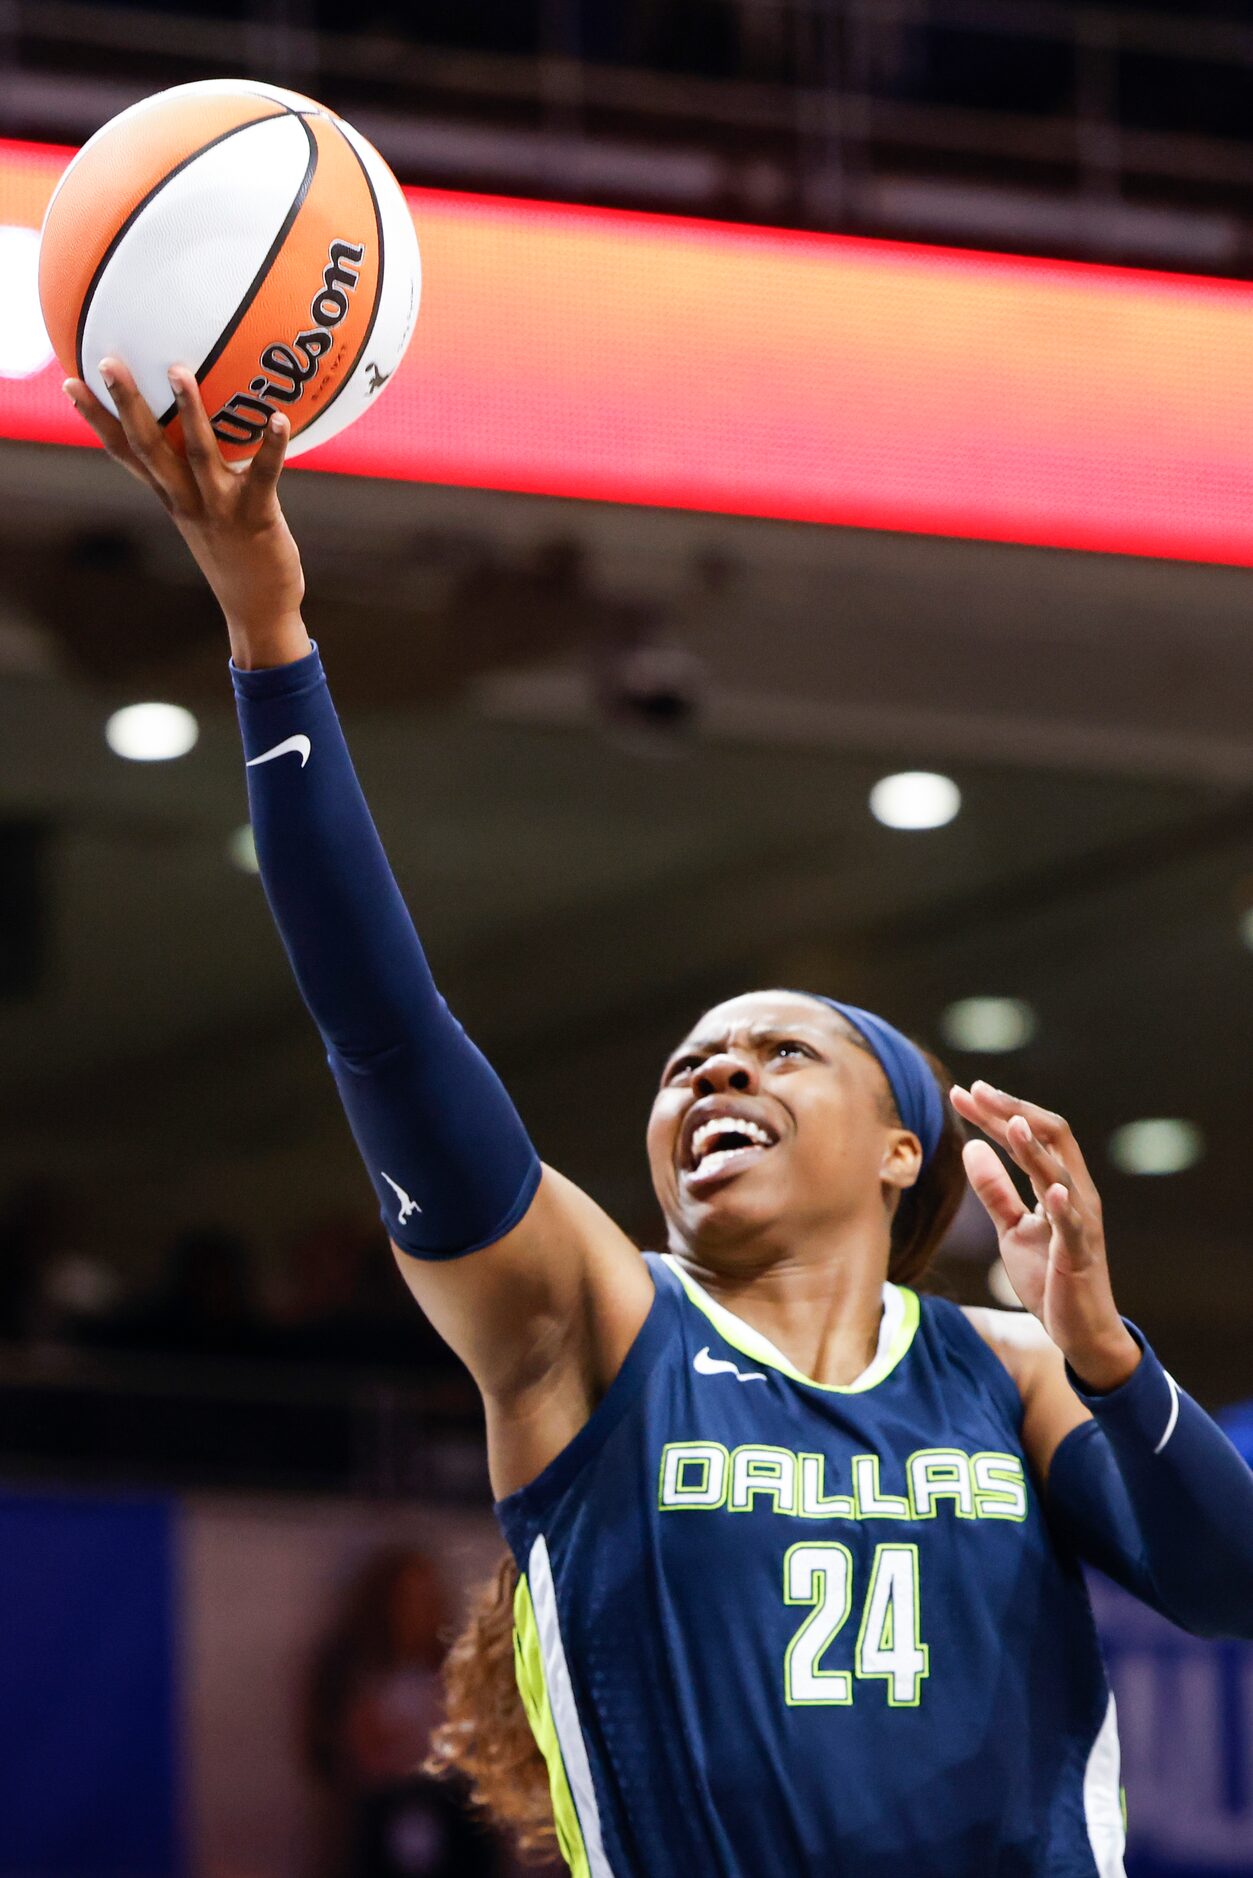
{"x": 727, "y": 1124}
{"x": 711, "y": 1162}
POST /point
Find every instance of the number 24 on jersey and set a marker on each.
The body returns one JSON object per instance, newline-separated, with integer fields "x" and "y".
{"x": 889, "y": 1643}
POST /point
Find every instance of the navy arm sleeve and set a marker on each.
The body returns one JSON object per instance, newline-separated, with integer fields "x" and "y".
{"x": 1152, "y": 1492}
{"x": 451, "y": 1163}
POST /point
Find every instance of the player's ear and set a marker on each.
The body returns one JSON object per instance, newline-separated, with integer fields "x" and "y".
{"x": 902, "y": 1159}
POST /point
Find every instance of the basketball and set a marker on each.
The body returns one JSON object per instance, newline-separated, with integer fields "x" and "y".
{"x": 247, "y": 232}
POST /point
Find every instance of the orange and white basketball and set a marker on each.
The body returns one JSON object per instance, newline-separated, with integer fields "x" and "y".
{"x": 247, "y": 232}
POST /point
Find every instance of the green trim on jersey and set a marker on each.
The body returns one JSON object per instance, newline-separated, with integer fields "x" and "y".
{"x": 750, "y": 1342}
{"x": 528, "y": 1663}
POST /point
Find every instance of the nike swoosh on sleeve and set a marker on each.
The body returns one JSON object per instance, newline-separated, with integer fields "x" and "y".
{"x": 299, "y": 745}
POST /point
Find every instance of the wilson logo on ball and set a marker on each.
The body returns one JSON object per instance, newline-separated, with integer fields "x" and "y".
{"x": 287, "y": 369}
{"x": 206, "y": 225}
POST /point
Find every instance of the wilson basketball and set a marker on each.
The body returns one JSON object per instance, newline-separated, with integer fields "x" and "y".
{"x": 251, "y": 234}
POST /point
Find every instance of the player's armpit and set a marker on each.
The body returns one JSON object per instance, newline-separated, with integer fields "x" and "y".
{"x": 543, "y": 1320}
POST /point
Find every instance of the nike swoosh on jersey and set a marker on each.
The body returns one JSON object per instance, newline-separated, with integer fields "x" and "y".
{"x": 706, "y": 1365}
{"x": 299, "y": 745}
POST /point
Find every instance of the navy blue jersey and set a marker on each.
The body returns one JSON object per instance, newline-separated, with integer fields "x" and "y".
{"x": 769, "y": 1626}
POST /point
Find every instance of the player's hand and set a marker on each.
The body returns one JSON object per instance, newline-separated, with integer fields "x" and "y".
{"x": 228, "y": 515}
{"x": 1054, "y": 1255}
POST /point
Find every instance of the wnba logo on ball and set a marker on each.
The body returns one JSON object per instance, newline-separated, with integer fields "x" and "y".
{"x": 287, "y": 369}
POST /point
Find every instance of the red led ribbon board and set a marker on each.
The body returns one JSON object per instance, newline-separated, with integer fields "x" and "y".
{"x": 649, "y": 359}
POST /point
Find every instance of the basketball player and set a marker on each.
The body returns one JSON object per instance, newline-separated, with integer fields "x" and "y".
{"x": 795, "y": 1582}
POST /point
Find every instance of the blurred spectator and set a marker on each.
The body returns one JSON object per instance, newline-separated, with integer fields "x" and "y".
{"x": 48, "y": 1284}
{"x": 339, "y": 1298}
{"x": 342, "y": 1301}
{"x": 29, "y": 1229}
{"x": 321, "y": 1284}
{"x": 204, "y": 1303}
{"x": 373, "y": 1699}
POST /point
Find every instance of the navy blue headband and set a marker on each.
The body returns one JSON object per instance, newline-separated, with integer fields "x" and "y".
{"x": 918, "y": 1100}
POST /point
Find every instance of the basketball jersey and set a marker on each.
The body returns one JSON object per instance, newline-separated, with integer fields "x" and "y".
{"x": 769, "y": 1626}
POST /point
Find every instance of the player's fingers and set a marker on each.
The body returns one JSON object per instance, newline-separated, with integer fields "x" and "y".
{"x": 1059, "y": 1201}
{"x": 1058, "y": 1205}
{"x": 1043, "y": 1168}
{"x": 992, "y": 1111}
{"x": 267, "y": 466}
{"x": 997, "y": 1105}
{"x": 199, "y": 442}
{"x": 110, "y": 433}
{"x": 965, "y": 1104}
{"x": 1046, "y": 1125}
{"x": 143, "y": 434}
{"x": 992, "y": 1184}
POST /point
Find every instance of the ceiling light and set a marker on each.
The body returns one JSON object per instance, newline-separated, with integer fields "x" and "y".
{"x": 1246, "y": 927}
{"x": 151, "y": 733}
{"x": 915, "y": 798}
{"x": 241, "y": 850}
{"x": 1160, "y": 1145}
{"x": 24, "y": 345}
{"x": 988, "y": 1024}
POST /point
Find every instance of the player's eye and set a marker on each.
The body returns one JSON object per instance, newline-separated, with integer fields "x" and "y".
{"x": 790, "y": 1043}
{"x": 681, "y": 1064}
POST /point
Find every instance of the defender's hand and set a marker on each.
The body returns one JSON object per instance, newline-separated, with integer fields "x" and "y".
{"x": 229, "y": 516}
{"x": 1055, "y": 1256}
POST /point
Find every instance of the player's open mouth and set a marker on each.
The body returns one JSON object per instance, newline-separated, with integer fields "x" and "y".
{"x": 723, "y": 1145}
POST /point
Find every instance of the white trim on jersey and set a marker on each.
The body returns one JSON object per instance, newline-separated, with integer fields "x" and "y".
{"x": 564, "y": 1708}
{"x": 1102, "y": 1799}
{"x": 1174, "y": 1411}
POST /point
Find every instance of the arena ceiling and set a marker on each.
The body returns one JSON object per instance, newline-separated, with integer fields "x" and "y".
{"x": 621, "y": 761}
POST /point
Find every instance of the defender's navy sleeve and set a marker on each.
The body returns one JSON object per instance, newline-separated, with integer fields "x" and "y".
{"x": 1152, "y": 1492}
{"x": 451, "y": 1163}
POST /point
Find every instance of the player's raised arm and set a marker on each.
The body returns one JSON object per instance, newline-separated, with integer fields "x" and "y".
{"x": 545, "y": 1311}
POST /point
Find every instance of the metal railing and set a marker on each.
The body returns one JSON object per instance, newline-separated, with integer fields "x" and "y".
{"x": 875, "y": 114}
